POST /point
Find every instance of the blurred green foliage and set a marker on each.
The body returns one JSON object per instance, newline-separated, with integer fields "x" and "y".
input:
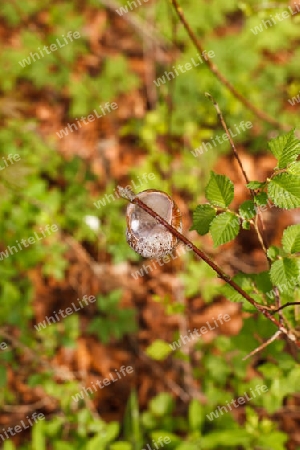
{"x": 43, "y": 189}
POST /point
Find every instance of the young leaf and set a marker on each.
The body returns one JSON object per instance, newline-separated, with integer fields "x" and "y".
{"x": 219, "y": 190}
{"x": 202, "y": 217}
{"x": 224, "y": 228}
{"x": 247, "y": 209}
{"x": 246, "y": 225}
{"x": 284, "y": 191}
{"x": 291, "y": 239}
{"x": 285, "y": 148}
{"x": 284, "y": 273}
{"x": 273, "y": 252}
{"x": 255, "y": 185}
{"x": 261, "y": 199}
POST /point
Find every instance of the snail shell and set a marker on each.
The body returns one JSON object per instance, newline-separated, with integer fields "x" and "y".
{"x": 144, "y": 234}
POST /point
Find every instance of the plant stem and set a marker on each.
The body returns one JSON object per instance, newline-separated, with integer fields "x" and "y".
{"x": 210, "y": 262}
{"x": 214, "y": 69}
{"x": 223, "y": 123}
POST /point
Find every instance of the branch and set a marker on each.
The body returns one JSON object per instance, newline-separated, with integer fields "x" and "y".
{"x": 125, "y": 193}
{"x": 264, "y": 345}
{"x": 223, "y": 123}
{"x": 214, "y": 69}
{"x": 284, "y": 306}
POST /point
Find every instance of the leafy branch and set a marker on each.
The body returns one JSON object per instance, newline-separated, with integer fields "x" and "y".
{"x": 221, "y": 274}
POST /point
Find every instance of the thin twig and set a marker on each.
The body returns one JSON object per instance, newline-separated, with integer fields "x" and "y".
{"x": 214, "y": 69}
{"x": 135, "y": 199}
{"x": 284, "y": 306}
{"x": 264, "y": 345}
{"x": 223, "y": 123}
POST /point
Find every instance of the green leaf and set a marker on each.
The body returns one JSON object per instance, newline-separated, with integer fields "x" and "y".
{"x": 202, "y": 217}
{"x": 38, "y": 436}
{"x": 261, "y": 198}
{"x": 3, "y": 376}
{"x": 285, "y": 148}
{"x": 171, "y": 438}
{"x": 219, "y": 190}
{"x": 284, "y": 191}
{"x": 224, "y": 228}
{"x": 294, "y": 168}
{"x": 246, "y": 225}
{"x": 273, "y": 252}
{"x": 196, "y": 415}
{"x": 255, "y": 185}
{"x": 284, "y": 273}
{"x": 121, "y": 445}
{"x": 291, "y": 239}
{"x": 132, "y": 426}
{"x": 244, "y": 281}
{"x": 162, "y": 404}
{"x": 247, "y": 210}
{"x": 158, "y": 350}
{"x": 263, "y": 282}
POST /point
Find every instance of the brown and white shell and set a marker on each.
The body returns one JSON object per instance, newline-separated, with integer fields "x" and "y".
{"x": 144, "y": 234}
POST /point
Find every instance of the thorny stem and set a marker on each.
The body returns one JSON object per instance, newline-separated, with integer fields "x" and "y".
{"x": 206, "y": 258}
{"x": 214, "y": 69}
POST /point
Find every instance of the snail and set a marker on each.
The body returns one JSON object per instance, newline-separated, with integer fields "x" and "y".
{"x": 144, "y": 234}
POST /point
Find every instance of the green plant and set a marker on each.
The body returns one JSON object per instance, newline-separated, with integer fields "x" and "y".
{"x": 112, "y": 321}
{"x": 283, "y": 189}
